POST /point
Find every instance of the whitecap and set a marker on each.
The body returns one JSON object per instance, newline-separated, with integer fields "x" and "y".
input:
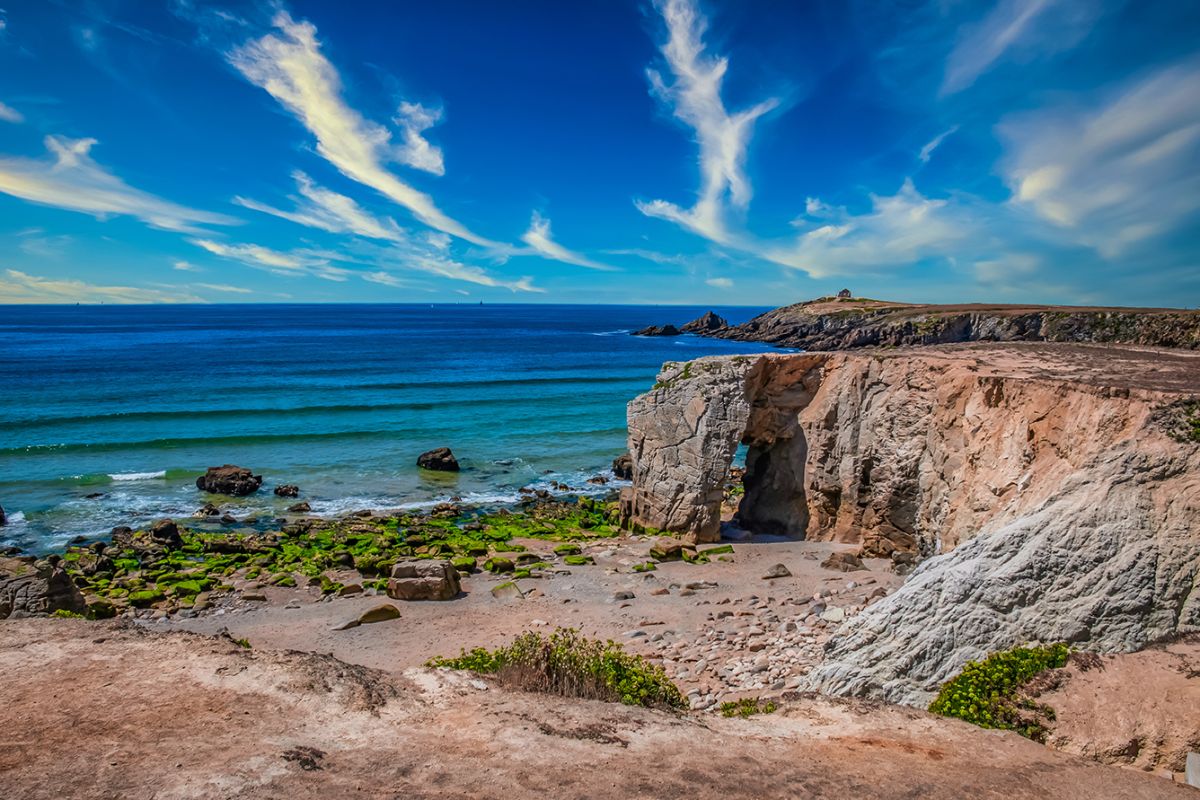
{"x": 138, "y": 476}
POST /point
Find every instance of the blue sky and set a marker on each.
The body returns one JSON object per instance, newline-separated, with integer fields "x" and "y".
{"x": 618, "y": 152}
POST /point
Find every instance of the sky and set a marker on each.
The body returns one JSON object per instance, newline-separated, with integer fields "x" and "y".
{"x": 600, "y": 151}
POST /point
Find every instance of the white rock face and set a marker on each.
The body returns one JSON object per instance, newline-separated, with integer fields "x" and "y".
{"x": 1040, "y": 482}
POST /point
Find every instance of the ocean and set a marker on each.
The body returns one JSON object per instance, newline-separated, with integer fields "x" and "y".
{"x": 109, "y": 413}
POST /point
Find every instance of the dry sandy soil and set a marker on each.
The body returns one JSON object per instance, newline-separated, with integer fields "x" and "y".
{"x": 110, "y": 710}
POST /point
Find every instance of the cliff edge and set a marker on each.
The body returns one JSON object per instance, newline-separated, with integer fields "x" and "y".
{"x": 831, "y": 323}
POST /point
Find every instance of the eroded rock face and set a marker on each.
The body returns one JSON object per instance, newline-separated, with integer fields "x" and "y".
{"x": 29, "y": 587}
{"x": 1038, "y": 481}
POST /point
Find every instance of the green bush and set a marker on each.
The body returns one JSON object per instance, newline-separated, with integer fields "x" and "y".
{"x": 748, "y": 707}
{"x": 985, "y": 692}
{"x": 567, "y": 664}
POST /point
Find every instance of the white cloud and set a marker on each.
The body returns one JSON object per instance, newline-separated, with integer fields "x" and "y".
{"x": 933, "y": 144}
{"x": 414, "y": 119}
{"x": 222, "y": 287}
{"x": 184, "y": 266}
{"x": 1021, "y": 29}
{"x": 720, "y": 283}
{"x": 10, "y": 114}
{"x": 383, "y": 278}
{"x": 70, "y": 179}
{"x": 900, "y": 229}
{"x": 695, "y": 99}
{"x": 20, "y": 287}
{"x": 1117, "y": 173}
{"x": 329, "y": 211}
{"x": 287, "y": 264}
{"x": 539, "y": 238}
{"x": 289, "y": 65}
{"x": 449, "y": 268}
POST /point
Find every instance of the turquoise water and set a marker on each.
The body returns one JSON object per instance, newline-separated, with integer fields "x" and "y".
{"x": 131, "y": 403}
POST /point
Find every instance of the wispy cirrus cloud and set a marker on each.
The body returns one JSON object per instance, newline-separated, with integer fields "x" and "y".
{"x": 10, "y": 114}
{"x": 290, "y": 66}
{"x": 1113, "y": 172}
{"x": 540, "y": 240}
{"x": 934, "y": 143}
{"x": 1022, "y": 28}
{"x": 223, "y": 287}
{"x": 71, "y": 179}
{"x": 318, "y": 207}
{"x": 694, "y": 97}
{"x": 21, "y": 287}
{"x": 291, "y": 264}
{"x": 185, "y": 266}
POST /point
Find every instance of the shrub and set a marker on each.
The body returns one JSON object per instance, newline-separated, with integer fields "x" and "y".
{"x": 748, "y": 707}
{"x": 567, "y": 664}
{"x": 985, "y": 692}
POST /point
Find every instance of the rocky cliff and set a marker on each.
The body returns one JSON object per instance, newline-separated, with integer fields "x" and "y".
{"x": 1052, "y": 491}
{"x": 840, "y": 324}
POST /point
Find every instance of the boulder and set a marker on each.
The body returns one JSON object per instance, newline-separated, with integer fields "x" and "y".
{"x": 667, "y": 550}
{"x": 622, "y": 467}
{"x": 777, "y": 571}
{"x": 379, "y": 613}
{"x": 439, "y": 459}
{"x": 300, "y": 508}
{"x": 3, "y": 518}
{"x": 843, "y": 562}
{"x": 705, "y": 324}
{"x": 229, "y": 479}
{"x": 29, "y": 587}
{"x": 424, "y": 579}
{"x": 166, "y": 532}
{"x": 287, "y": 490}
{"x": 658, "y": 330}
{"x": 507, "y": 591}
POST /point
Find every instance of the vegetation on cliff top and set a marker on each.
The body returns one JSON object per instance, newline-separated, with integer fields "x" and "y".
{"x": 986, "y": 693}
{"x": 568, "y": 664}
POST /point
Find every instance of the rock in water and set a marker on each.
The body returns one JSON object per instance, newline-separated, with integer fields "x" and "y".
{"x": 3, "y": 518}
{"x": 439, "y": 459}
{"x": 287, "y": 490}
{"x": 658, "y": 330}
{"x": 622, "y": 467}
{"x": 424, "y": 579}
{"x": 705, "y": 324}
{"x": 229, "y": 479}
{"x": 29, "y": 587}
{"x": 299, "y": 508}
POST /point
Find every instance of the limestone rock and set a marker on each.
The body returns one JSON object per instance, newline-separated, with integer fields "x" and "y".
{"x": 424, "y": 579}
{"x": 29, "y": 587}
{"x": 439, "y": 459}
{"x": 229, "y": 479}
{"x": 1034, "y": 486}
